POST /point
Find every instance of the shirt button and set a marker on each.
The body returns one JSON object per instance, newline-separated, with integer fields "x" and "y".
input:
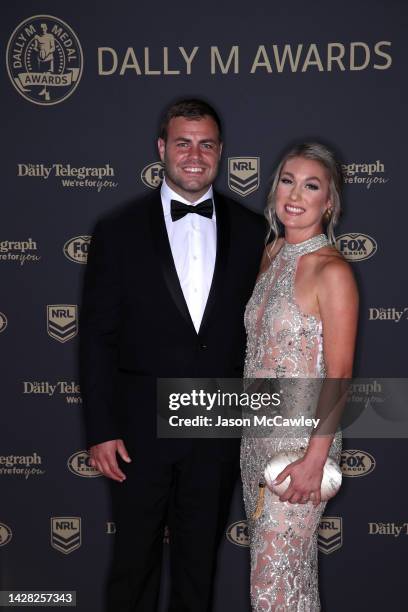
{"x": 195, "y": 257}
{"x": 203, "y": 346}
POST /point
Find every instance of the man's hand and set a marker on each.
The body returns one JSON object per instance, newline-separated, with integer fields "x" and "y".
{"x": 103, "y": 458}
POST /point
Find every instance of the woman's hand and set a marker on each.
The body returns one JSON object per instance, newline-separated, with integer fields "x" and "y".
{"x": 305, "y": 481}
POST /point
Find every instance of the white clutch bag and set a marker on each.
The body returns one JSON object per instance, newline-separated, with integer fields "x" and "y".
{"x": 331, "y": 480}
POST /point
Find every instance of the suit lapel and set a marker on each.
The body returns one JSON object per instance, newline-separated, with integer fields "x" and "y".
{"x": 163, "y": 249}
{"x": 220, "y": 268}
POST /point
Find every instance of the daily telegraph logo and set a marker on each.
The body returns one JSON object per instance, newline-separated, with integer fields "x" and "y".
{"x": 362, "y": 394}
{"x": 365, "y": 174}
{"x": 5, "y": 534}
{"x": 80, "y": 465}
{"x": 19, "y": 251}
{"x": 66, "y": 533}
{"x": 62, "y": 321}
{"x": 390, "y": 529}
{"x": 21, "y": 465}
{"x": 68, "y": 389}
{"x": 152, "y": 175}
{"x": 361, "y": 391}
{"x": 44, "y": 60}
{"x": 237, "y": 533}
{"x": 330, "y": 534}
{"x": 3, "y": 322}
{"x": 356, "y": 247}
{"x": 356, "y": 463}
{"x": 388, "y": 314}
{"x": 82, "y": 177}
{"x": 110, "y": 528}
{"x": 243, "y": 174}
{"x": 76, "y": 249}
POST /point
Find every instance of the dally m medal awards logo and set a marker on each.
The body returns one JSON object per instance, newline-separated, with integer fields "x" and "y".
{"x": 44, "y": 60}
{"x": 330, "y": 534}
{"x": 243, "y": 174}
{"x": 62, "y": 321}
{"x": 65, "y": 533}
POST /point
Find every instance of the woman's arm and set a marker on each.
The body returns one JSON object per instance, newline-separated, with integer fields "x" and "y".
{"x": 337, "y": 297}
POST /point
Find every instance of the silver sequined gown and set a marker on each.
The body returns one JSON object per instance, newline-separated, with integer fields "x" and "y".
{"x": 284, "y": 343}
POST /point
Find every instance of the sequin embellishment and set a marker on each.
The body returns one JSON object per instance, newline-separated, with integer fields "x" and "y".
{"x": 282, "y": 342}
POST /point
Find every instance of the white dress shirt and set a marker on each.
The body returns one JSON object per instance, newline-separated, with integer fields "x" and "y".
{"x": 193, "y": 243}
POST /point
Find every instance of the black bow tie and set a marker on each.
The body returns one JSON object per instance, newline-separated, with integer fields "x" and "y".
{"x": 179, "y": 210}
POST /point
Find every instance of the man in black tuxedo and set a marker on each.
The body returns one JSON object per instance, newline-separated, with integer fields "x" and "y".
{"x": 165, "y": 290}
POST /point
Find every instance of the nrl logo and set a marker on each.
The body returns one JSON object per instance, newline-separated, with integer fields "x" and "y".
{"x": 62, "y": 321}
{"x": 65, "y": 533}
{"x": 243, "y": 174}
{"x": 330, "y": 535}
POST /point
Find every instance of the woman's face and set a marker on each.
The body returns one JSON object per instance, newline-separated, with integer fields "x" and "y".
{"x": 302, "y": 196}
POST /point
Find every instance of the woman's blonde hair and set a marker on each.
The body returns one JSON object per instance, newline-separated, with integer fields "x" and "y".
{"x": 322, "y": 154}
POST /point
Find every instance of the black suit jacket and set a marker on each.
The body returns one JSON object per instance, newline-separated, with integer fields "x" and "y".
{"x": 135, "y": 324}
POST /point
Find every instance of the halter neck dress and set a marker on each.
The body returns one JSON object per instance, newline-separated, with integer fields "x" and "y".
{"x": 287, "y": 344}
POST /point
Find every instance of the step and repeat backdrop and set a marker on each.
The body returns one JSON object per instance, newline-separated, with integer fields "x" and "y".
{"x": 82, "y": 87}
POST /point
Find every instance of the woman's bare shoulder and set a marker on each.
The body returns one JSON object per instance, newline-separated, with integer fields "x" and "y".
{"x": 327, "y": 267}
{"x": 326, "y": 256}
{"x": 333, "y": 271}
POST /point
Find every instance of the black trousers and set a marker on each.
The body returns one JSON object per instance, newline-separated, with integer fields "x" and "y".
{"x": 192, "y": 493}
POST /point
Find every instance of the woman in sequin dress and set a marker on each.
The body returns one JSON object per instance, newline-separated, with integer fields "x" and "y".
{"x": 301, "y": 324}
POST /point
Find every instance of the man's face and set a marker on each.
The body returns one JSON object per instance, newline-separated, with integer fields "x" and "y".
{"x": 191, "y": 155}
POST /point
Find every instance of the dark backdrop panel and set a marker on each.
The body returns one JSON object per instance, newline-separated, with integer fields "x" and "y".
{"x": 105, "y": 126}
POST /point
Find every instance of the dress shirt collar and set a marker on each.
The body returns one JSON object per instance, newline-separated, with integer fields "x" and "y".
{"x": 168, "y": 194}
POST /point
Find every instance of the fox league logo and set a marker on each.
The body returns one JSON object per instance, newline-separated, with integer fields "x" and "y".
{"x": 152, "y": 175}
{"x": 356, "y": 247}
{"x": 62, "y": 321}
{"x": 5, "y": 534}
{"x": 237, "y": 533}
{"x": 355, "y": 463}
{"x": 76, "y": 249}
{"x": 66, "y": 533}
{"x": 80, "y": 465}
{"x": 44, "y": 60}
{"x": 3, "y": 322}
{"x": 243, "y": 174}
